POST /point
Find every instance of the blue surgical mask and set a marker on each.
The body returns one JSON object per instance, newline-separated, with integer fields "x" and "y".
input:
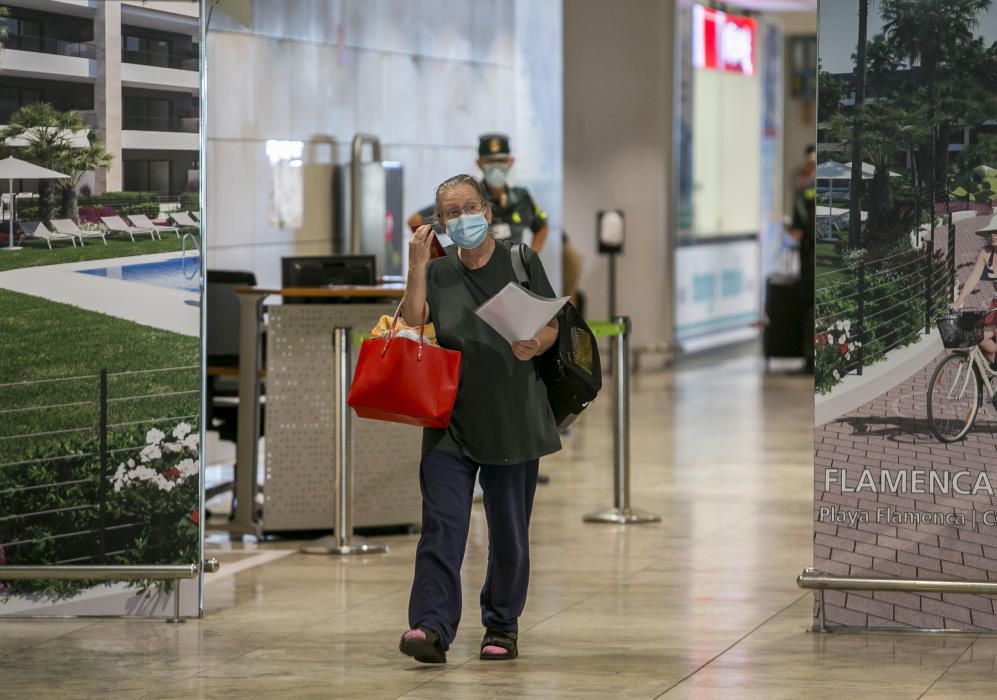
{"x": 468, "y": 231}
{"x": 497, "y": 174}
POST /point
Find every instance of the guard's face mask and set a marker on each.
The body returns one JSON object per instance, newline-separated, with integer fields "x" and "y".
{"x": 496, "y": 174}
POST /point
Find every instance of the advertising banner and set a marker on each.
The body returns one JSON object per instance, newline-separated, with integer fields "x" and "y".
{"x": 906, "y": 424}
{"x": 100, "y": 315}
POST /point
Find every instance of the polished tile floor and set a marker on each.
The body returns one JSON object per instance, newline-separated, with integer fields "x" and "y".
{"x": 703, "y": 604}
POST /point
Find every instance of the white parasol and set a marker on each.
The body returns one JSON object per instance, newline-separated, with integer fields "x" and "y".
{"x": 13, "y": 169}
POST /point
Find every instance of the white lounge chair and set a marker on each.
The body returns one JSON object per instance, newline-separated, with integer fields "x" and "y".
{"x": 143, "y": 221}
{"x": 69, "y": 228}
{"x": 182, "y": 218}
{"x": 118, "y": 225}
{"x": 36, "y": 229}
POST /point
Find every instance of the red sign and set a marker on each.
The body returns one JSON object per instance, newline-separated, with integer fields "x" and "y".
{"x": 723, "y": 42}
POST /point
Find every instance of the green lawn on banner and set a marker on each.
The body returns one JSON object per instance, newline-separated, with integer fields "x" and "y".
{"x": 828, "y": 264}
{"x": 45, "y": 340}
{"x": 35, "y": 253}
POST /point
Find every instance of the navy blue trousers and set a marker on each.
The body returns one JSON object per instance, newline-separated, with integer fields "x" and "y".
{"x": 447, "y": 483}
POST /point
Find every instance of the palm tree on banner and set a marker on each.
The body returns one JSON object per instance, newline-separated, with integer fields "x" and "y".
{"x": 49, "y": 139}
{"x": 855, "y": 184}
{"x": 931, "y": 35}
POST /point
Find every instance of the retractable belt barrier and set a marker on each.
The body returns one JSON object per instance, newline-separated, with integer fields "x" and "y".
{"x": 621, "y": 513}
{"x": 344, "y": 542}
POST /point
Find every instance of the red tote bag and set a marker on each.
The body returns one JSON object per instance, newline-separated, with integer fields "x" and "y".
{"x": 405, "y": 381}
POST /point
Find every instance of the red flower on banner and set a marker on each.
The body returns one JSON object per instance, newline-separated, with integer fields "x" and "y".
{"x": 172, "y": 473}
{"x": 826, "y": 339}
{"x": 195, "y": 517}
{"x": 843, "y": 349}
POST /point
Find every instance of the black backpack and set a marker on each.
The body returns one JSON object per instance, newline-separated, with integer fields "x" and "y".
{"x": 570, "y": 369}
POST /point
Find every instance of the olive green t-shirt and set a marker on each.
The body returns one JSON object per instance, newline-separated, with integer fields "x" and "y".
{"x": 501, "y": 415}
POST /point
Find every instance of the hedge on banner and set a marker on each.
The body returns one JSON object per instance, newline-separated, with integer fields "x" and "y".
{"x": 106, "y": 204}
{"x": 894, "y": 311}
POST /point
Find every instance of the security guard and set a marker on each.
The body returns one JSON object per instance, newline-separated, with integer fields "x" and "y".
{"x": 513, "y": 209}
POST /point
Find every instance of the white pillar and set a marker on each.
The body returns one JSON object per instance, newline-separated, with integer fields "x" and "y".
{"x": 107, "y": 92}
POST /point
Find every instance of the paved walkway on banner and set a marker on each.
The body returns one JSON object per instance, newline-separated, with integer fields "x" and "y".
{"x": 891, "y": 433}
{"x": 165, "y": 308}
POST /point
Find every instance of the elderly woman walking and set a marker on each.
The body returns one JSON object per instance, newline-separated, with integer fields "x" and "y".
{"x": 501, "y": 425}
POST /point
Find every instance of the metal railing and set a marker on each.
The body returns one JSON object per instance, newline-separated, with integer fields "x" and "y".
{"x": 49, "y": 45}
{"x": 161, "y": 572}
{"x": 184, "y": 60}
{"x": 888, "y": 302}
{"x": 141, "y": 122}
{"x": 813, "y": 580}
{"x": 55, "y": 465}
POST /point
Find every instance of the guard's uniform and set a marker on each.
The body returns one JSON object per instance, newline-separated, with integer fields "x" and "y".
{"x": 519, "y": 214}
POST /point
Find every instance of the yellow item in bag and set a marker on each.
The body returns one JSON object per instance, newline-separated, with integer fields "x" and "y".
{"x": 403, "y": 330}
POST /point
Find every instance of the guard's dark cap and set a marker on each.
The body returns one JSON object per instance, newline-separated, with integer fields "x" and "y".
{"x": 491, "y": 145}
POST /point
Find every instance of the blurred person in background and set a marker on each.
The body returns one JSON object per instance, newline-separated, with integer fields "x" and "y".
{"x": 804, "y": 229}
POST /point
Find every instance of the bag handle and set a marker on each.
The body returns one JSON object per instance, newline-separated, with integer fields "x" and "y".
{"x": 519, "y": 265}
{"x": 422, "y": 328}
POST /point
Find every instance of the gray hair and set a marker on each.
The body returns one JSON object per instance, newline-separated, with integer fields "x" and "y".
{"x": 456, "y": 181}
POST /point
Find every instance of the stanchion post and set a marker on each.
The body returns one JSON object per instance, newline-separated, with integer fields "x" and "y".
{"x": 345, "y": 542}
{"x": 621, "y": 418}
{"x": 621, "y": 513}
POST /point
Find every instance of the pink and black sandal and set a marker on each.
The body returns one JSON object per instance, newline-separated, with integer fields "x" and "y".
{"x": 426, "y": 649}
{"x": 501, "y": 639}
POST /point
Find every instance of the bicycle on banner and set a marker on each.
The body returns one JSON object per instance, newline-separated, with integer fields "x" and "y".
{"x": 962, "y": 380}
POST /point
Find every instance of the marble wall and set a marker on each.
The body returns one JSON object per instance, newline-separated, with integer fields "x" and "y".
{"x": 426, "y": 76}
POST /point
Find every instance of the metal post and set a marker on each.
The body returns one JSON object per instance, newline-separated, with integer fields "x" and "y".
{"x": 861, "y": 318}
{"x": 13, "y": 215}
{"x": 176, "y": 619}
{"x": 356, "y": 200}
{"x": 612, "y": 285}
{"x": 345, "y": 542}
{"x": 621, "y": 421}
{"x": 928, "y": 252}
{"x": 621, "y": 513}
{"x": 821, "y": 612}
{"x": 102, "y": 473}
{"x": 610, "y": 365}
{"x": 951, "y": 261}
{"x": 245, "y": 512}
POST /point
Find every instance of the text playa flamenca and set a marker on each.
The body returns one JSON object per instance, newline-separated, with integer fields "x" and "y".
{"x": 905, "y": 481}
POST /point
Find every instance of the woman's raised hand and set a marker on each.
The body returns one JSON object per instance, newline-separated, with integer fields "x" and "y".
{"x": 419, "y": 247}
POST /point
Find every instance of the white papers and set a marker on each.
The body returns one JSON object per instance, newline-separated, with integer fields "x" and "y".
{"x": 518, "y": 314}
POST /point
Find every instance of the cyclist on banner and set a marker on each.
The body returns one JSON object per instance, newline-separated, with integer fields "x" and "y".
{"x": 985, "y": 270}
